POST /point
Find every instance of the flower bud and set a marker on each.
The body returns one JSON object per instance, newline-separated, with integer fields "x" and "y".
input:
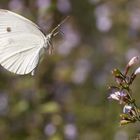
{"x": 124, "y": 122}
{"x": 124, "y": 116}
{"x": 137, "y": 71}
{"x": 116, "y": 73}
{"x": 133, "y": 61}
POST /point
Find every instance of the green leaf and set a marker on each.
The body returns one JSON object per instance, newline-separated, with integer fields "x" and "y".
{"x": 50, "y": 107}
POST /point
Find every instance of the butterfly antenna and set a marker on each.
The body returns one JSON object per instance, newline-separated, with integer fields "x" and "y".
{"x": 53, "y": 32}
{"x": 58, "y": 32}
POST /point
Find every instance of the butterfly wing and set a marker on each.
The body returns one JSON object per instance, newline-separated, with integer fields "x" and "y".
{"x": 20, "y": 43}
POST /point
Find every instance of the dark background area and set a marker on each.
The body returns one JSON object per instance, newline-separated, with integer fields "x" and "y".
{"x": 67, "y": 97}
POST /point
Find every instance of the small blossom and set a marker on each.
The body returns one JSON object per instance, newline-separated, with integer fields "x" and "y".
{"x": 133, "y": 61}
{"x": 127, "y": 109}
{"x": 118, "y": 95}
{"x": 115, "y": 95}
{"x": 137, "y": 71}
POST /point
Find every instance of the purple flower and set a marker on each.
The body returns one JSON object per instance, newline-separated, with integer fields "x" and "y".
{"x": 118, "y": 95}
{"x": 127, "y": 109}
{"x": 115, "y": 96}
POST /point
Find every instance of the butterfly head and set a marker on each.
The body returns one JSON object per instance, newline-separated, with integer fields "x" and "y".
{"x": 52, "y": 34}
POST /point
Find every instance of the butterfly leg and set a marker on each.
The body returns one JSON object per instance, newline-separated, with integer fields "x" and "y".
{"x": 50, "y": 48}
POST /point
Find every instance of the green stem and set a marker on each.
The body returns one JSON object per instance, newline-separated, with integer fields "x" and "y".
{"x": 134, "y": 104}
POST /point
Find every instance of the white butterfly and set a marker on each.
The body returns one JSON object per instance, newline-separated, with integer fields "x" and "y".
{"x": 21, "y": 43}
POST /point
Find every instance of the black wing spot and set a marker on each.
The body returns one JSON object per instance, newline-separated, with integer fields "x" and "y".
{"x": 8, "y": 29}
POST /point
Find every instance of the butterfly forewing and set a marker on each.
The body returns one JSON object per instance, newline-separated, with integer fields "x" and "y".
{"x": 13, "y": 23}
{"x": 20, "y": 43}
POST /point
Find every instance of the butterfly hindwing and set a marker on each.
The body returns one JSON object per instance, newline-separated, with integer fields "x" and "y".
{"x": 17, "y": 57}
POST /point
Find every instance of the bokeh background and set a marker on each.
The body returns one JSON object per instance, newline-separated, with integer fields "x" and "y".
{"x": 67, "y": 97}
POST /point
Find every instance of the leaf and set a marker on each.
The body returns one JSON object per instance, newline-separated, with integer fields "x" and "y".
{"x": 50, "y": 107}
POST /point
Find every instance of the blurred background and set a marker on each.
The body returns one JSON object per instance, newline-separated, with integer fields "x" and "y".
{"x": 67, "y": 97}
